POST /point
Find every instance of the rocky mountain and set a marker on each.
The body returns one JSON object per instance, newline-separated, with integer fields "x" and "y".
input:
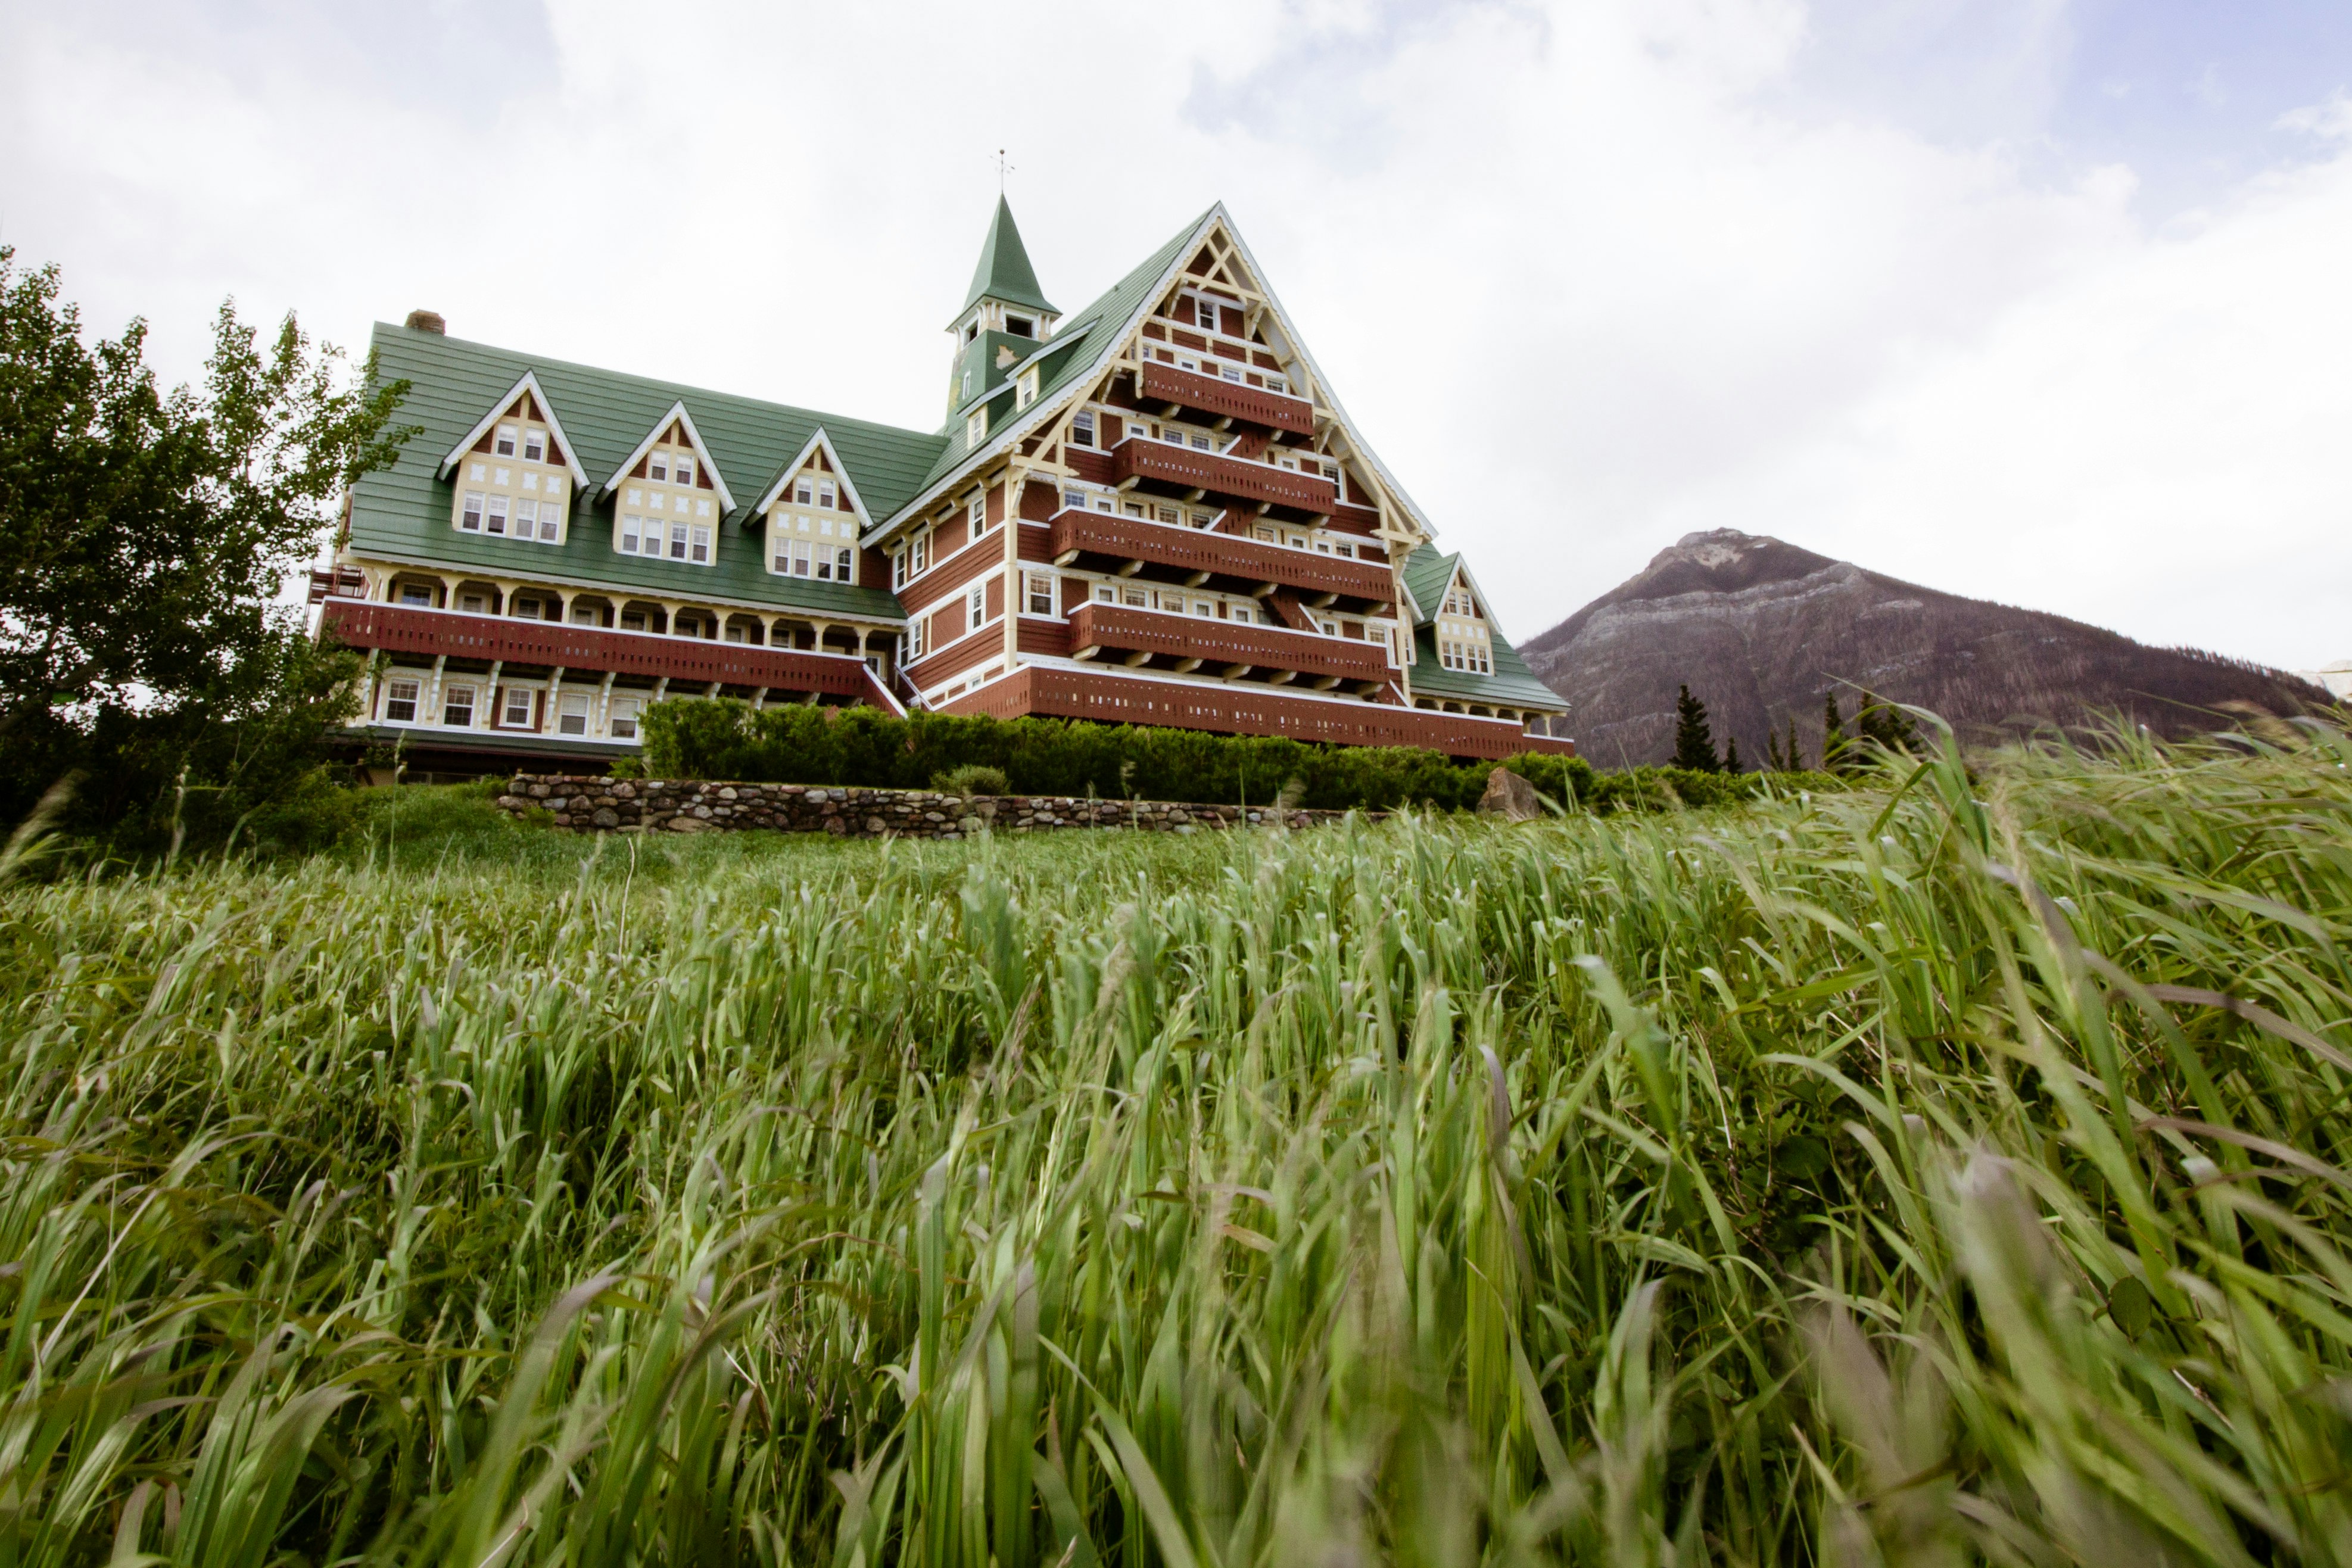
{"x": 1760, "y": 630}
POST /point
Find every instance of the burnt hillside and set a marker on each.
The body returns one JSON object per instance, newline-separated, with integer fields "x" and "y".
{"x": 1761, "y": 629}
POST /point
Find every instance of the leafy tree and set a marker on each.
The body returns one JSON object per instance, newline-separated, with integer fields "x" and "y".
{"x": 143, "y": 537}
{"x": 1834, "y": 744}
{"x": 1694, "y": 742}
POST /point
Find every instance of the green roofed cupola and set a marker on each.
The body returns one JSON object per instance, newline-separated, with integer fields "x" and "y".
{"x": 1005, "y": 314}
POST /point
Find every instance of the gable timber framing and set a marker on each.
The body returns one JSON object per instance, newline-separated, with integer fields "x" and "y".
{"x": 818, "y": 440}
{"x": 546, "y": 406}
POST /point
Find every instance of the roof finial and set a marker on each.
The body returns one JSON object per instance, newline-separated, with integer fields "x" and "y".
{"x": 1002, "y": 169}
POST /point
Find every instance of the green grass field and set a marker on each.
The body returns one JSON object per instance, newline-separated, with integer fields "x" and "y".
{"x": 1950, "y": 1170}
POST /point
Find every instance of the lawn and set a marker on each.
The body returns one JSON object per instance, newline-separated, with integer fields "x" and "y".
{"x": 1949, "y": 1169}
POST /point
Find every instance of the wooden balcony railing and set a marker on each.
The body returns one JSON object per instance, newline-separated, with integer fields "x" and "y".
{"x": 1141, "y": 459}
{"x": 1242, "y": 709}
{"x": 1118, "y": 627}
{"x": 405, "y": 629}
{"x": 1224, "y": 555}
{"x": 1230, "y": 400}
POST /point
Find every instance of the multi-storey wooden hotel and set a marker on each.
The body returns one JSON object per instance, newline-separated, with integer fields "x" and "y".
{"x": 1152, "y": 511}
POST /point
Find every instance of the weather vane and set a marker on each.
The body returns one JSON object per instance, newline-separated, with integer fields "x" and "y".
{"x": 1002, "y": 169}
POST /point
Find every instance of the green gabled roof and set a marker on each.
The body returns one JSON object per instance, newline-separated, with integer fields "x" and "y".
{"x": 1426, "y": 572}
{"x": 1105, "y": 316}
{"x": 1512, "y": 684}
{"x": 404, "y": 512}
{"x": 1004, "y": 272}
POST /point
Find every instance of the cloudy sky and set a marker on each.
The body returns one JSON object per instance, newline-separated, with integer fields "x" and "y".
{"x": 2044, "y": 300}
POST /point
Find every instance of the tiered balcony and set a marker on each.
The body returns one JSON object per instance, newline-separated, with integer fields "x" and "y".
{"x": 1117, "y": 628}
{"x": 1125, "y": 538}
{"x": 1227, "y": 400}
{"x": 1141, "y": 459}
{"x": 1242, "y": 709}
{"x": 688, "y": 660}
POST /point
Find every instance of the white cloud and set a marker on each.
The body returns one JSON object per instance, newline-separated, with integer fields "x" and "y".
{"x": 1589, "y": 275}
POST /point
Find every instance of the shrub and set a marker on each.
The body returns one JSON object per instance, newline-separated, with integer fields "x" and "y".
{"x": 972, "y": 779}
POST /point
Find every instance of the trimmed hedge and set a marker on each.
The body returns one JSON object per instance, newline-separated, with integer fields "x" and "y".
{"x": 724, "y": 738}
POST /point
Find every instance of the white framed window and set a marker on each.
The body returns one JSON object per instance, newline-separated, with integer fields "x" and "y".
{"x": 516, "y": 713}
{"x": 975, "y": 428}
{"x": 1041, "y": 593}
{"x": 457, "y": 706}
{"x": 805, "y": 491}
{"x": 1277, "y": 383}
{"x": 1345, "y": 549}
{"x": 844, "y": 565}
{"x": 800, "y": 557}
{"x": 826, "y": 495}
{"x": 915, "y": 638}
{"x": 977, "y": 510}
{"x": 1231, "y": 373}
{"x": 897, "y": 568}
{"x": 471, "y": 603}
{"x": 400, "y": 702}
{"x": 1102, "y": 504}
{"x": 681, "y": 472}
{"x": 1170, "y": 434}
{"x": 657, "y": 467}
{"x": 471, "y": 519}
{"x": 415, "y": 596}
{"x": 975, "y": 607}
{"x": 1205, "y": 609}
{"x": 585, "y": 615}
{"x": 534, "y": 445}
{"x": 623, "y": 723}
{"x": 505, "y": 444}
{"x": 526, "y": 519}
{"x": 572, "y": 720}
{"x": 1082, "y": 428}
{"x": 733, "y": 634}
{"x": 630, "y": 524}
{"x": 498, "y": 515}
{"x": 1025, "y": 393}
{"x": 1103, "y": 594}
{"x": 1074, "y": 500}
{"x": 701, "y": 556}
{"x": 923, "y": 553}
{"x": 677, "y": 541}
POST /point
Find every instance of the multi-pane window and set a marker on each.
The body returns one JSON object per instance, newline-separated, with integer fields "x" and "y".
{"x": 457, "y": 706}
{"x": 573, "y": 718}
{"x": 534, "y": 446}
{"x": 701, "y": 556}
{"x": 975, "y": 428}
{"x": 471, "y": 519}
{"x": 826, "y": 494}
{"x": 682, "y": 470}
{"x": 977, "y": 510}
{"x": 805, "y": 491}
{"x": 623, "y": 723}
{"x": 498, "y": 516}
{"x": 517, "y": 714}
{"x": 400, "y": 702}
{"x": 843, "y": 564}
{"x": 657, "y": 467}
{"x": 897, "y": 568}
{"x": 915, "y": 638}
{"x": 416, "y": 596}
{"x": 975, "y": 608}
{"x": 920, "y": 558}
{"x": 505, "y": 444}
{"x": 631, "y": 526}
{"x": 1082, "y": 428}
{"x": 1041, "y": 593}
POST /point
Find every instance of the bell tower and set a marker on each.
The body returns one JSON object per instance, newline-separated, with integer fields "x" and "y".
{"x": 1005, "y": 315}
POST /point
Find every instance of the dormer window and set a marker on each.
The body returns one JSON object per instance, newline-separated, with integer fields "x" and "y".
{"x": 824, "y": 493}
{"x": 534, "y": 446}
{"x": 506, "y": 444}
{"x": 804, "y": 493}
{"x": 657, "y": 467}
{"x": 1026, "y": 392}
{"x": 971, "y": 331}
{"x": 975, "y": 428}
{"x": 682, "y": 470}
{"x": 978, "y": 512}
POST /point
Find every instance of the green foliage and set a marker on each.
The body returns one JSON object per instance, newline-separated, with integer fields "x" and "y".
{"x": 1836, "y": 747}
{"x": 1947, "y": 1169}
{"x": 972, "y": 778}
{"x": 705, "y": 738}
{"x": 147, "y": 534}
{"x": 1694, "y": 740}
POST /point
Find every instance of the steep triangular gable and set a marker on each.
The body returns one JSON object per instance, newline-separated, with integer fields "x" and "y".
{"x": 818, "y": 440}
{"x": 684, "y": 421}
{"x": 1191, "y": 254}
{"x": 504, "y": 407}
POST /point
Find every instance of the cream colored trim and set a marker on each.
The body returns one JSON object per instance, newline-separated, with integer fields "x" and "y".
{"x": 693, "y": 438}
{"x": 530, "y": 384}
{"x": 818, "y": 441}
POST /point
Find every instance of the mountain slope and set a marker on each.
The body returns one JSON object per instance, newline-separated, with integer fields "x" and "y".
{"x": 1760, "y": 630}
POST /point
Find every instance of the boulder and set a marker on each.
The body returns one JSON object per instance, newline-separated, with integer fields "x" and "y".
{"x": 1510, "y": 797}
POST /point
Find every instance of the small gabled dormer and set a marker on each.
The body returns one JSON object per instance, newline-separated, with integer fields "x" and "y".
{"x": 1465, "y": 640}
{"x": 669, "y": 497}
{"x": 812, "y": 517}
{"x": 1005, "y": 317}
{"x": 513, "y": 475}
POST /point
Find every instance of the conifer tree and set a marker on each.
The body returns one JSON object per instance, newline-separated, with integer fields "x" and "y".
{"x": 1833, "y": 740}
{"x": 1796, "y": 750}
{"x": 1694, "y": 742}
{"x": 1731, "y": 756}
{"x": 1886, "y": 724}
{"x": 1773, "y": 757}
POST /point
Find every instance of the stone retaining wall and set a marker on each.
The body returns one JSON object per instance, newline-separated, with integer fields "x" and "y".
{"x": 596, "y": 805}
